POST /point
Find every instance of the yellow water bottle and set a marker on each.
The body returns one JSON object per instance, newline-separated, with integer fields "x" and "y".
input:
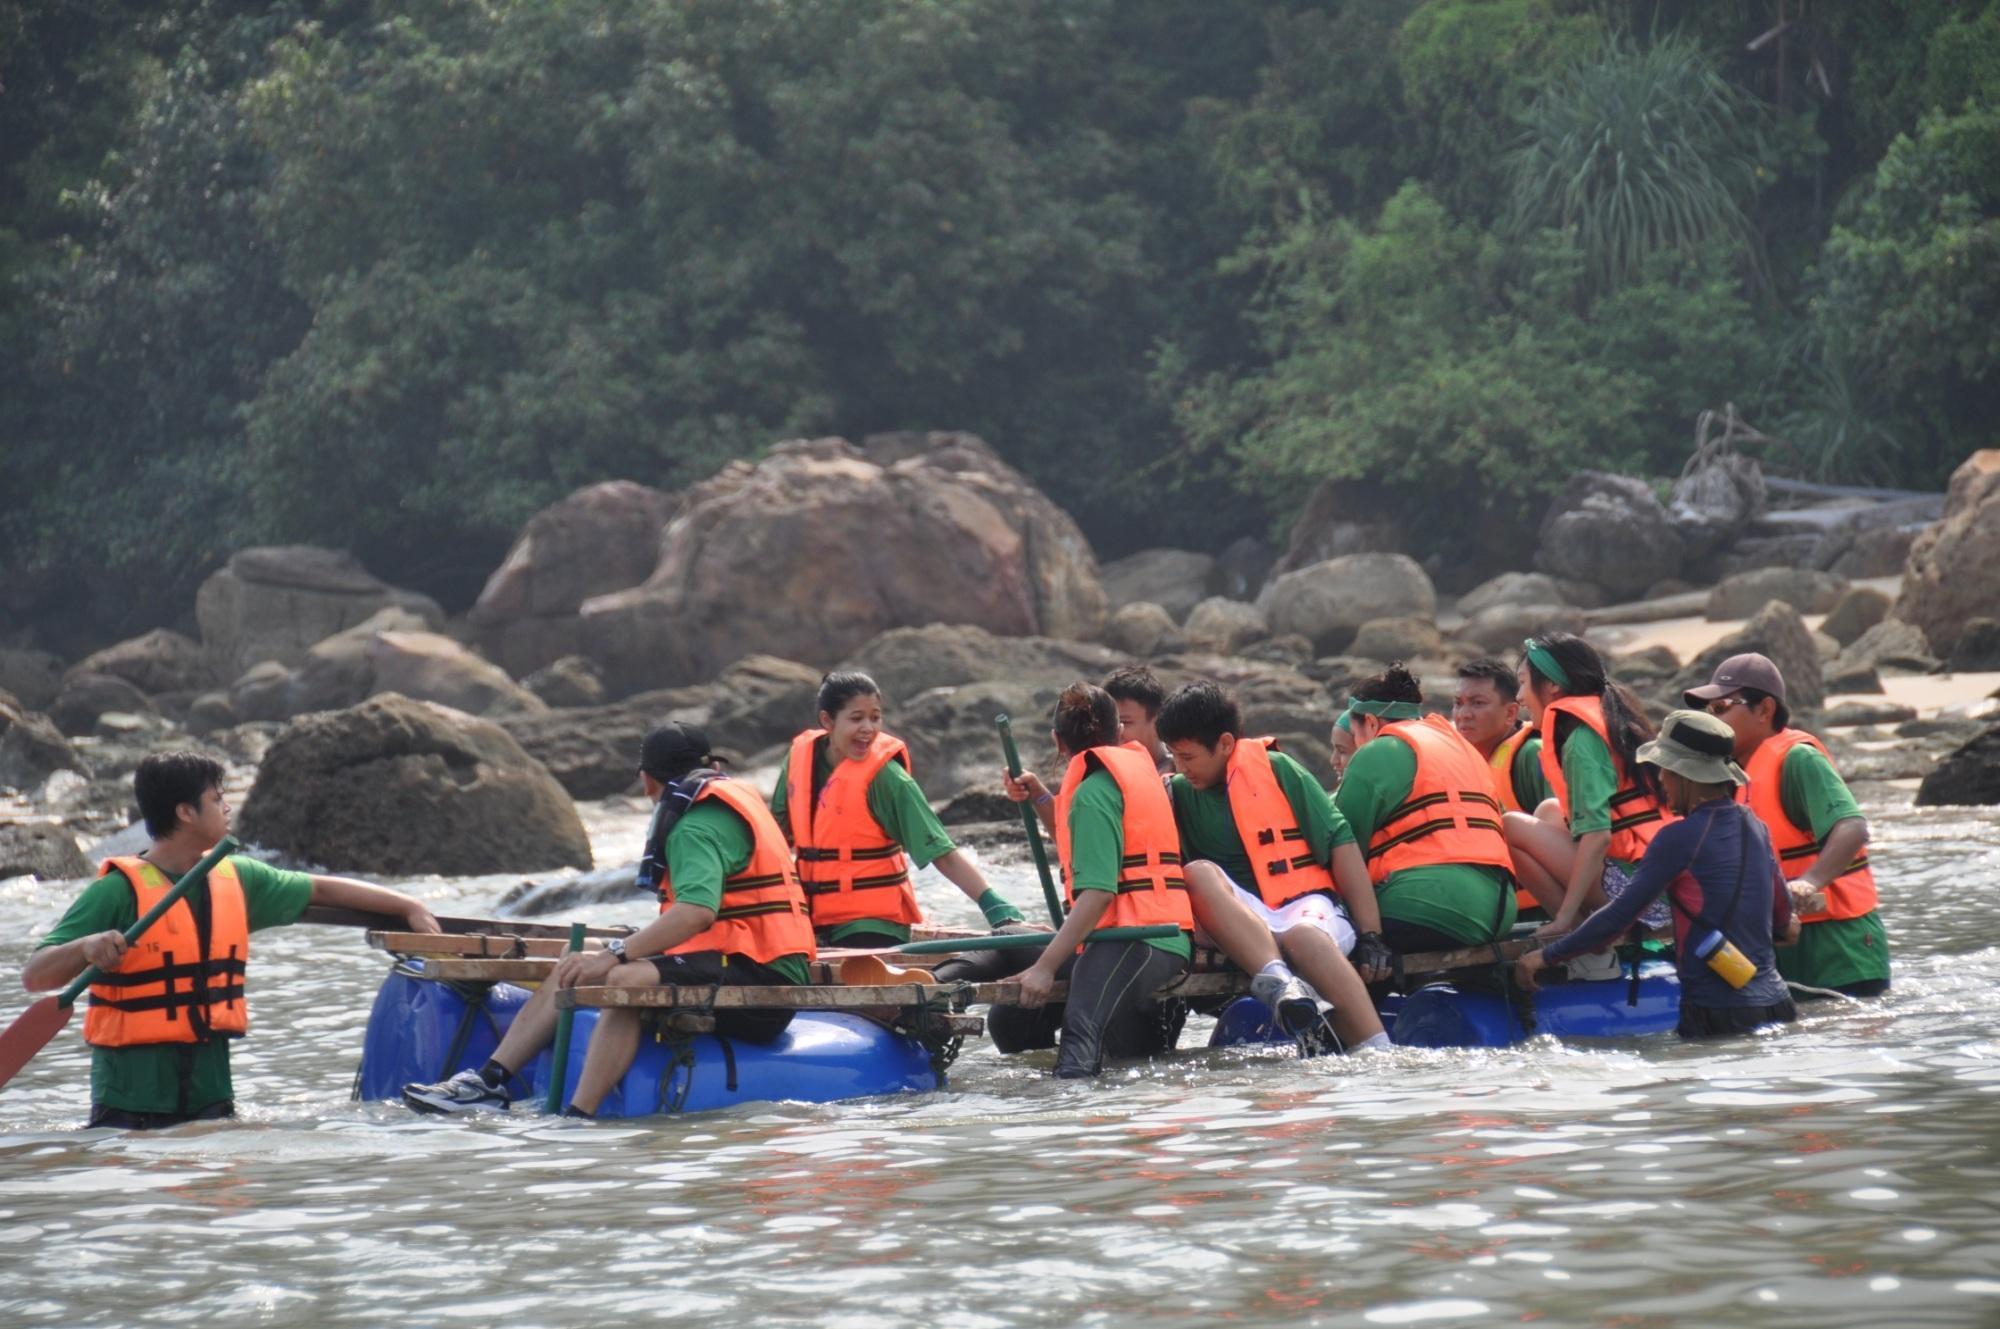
{"x": 1720, "y": 954}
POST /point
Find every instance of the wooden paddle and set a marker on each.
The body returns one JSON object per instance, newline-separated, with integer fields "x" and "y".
{"x": 333, "y": 916}
{"x": 1030, "y": 824}
{"x": 34, "y": 1027}
{"x": 559, "y": 1054}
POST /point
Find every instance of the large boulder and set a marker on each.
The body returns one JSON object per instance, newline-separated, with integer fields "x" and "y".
{"x": 1953, "y": 574}
{"x": 1398, "y": 639}
{"x": 1143, "y": 628}
{"x": 31, "y": 747}
{"x": 1341, "y": 517}
{"x": 571, "y": 681}
{"x": 1968, "y": 776}
{"x": 397, "y": 787}
{"x": 1515, "y": 588}
{"x": 37, "y": 849}
{"x": 32, "y": 677}
{"x": 822, "y": 545}
{"x": 1500, "y": 629}
{"x": 1777, "y": 631}
{"x": 1804, "y": 589}
{"x": 159, "y": 661}
{"x": 600, "y": 539}
{"x": 1242, "y": 568}
{"x": 1609, "y": 530}
{"x": 426, "y": 666}
{"x": 274, "y": 603}
{"x": 1328, "y": 602}
{"x": 1858, "y": 609}
{"x": 1716, "y": 500}
{"x": 1174, "y": 579}
{"x": 84, "y": 697}
{"x": 906, "y": 661}
{"x": 1890, "y": 644}
{"x": 340, "y": 671}
{"x": 1225, "y": 625}
{"x": 263, "y": 692}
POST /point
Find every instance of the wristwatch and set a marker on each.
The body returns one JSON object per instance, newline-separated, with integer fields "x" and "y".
{"x": 616, "y": 946}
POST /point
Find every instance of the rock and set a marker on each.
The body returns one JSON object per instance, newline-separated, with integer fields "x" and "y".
{"x": 1853, "y": 679}
{"x": 1778, "y": 632}
{"x": 1939, "y": 727}
{"x": 906, "y": 661}
{"x": 1968, "y": 776}
{"x": 1398, "y": 639}
{"x": 821, "y": 546}
{"x": 395, "y": 786}
{"x": 954, "y": 747}
{"x": 209, "y": 712}
{"x": 1142, "y": 629}
{"x": 275, "y": 602}
{"x": 1891, "y": 644}
{"x": 1803, "y": 589}
{"x": 264, "y": 692}
{"x": 1881, "y": 552}
{"x": 1287, "y": 648}
{"x": 1953, "y": 573}
{"x": 1514, "y": 588}
{"x": 571, "y": 681}
{"x": 1609, "y": 530}
{"x": 1669, "y": 588}
{"x": 1501, "y": 628}
{"x": 159, "y": 661}
{"x": 1715, "y": 502}
{"x": 1327, "y": 602}
{"x": 1850, "y": 714}
{"x": 1829, "y": 649}
{"x": 602, "y": 538}
{"x": 594, "y": 751}
{"x": 980, "y": 805}
{"x": 84, "y": 697}
{"x": 1241, "y": 569}
{"x": 1646, "y": 668}
{"x": 1858, "y": 609}
{"x": 1978, "y": 645}
{"x": 32, "y": 677}
{"x": 32, "y": 748}
{"x": 1225, "y": 625}
{"x": 1174, "y": 579}
{"x": 1897, "y": 763}
{"x": 37, "y": 849}
{"x": 426, "y": 666}
{"x": 128, "y": 726}
{"x": 1338, "y": 675}
{"x": 338, "y": 672}
{"x": 1340, "y": 518}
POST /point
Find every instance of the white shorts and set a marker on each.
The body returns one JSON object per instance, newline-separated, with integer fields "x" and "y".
{"x": 1308, "y": 911}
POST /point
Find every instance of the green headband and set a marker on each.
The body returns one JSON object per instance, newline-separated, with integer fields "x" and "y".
{"x": 1345, "y": 721}
{"x": 1386, "y": 710}
{"x": 1545, "y": 663}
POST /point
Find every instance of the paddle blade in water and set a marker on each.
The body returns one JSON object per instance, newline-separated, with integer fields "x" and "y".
{"x": 29, "y": 1034}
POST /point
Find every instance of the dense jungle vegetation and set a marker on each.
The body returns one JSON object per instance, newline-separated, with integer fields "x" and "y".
{"x": 390, "y": 276}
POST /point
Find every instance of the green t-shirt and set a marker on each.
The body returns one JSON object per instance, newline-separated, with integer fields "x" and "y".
{"x": 709, "y": 843}
{"x": 1592, "y": 776}
{"x": 899, "y": 807}
{"x": 1208, "y": 827}
{"x": 1831, "y": 952}
{"x": 1812, "y": 793}
{"x": 1531, "y": 787}
{"x": 1097, "y": 845}
{"x": 1466, "y": 901}
{"x": 149, "y": 1079}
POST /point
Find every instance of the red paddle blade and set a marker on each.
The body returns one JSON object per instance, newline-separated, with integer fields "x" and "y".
{"x": 29, "y": 1034}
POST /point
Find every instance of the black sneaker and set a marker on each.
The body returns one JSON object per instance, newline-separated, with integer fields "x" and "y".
{"x": 463, "y": 1092}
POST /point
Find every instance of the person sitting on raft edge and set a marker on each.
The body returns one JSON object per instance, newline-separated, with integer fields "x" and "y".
{"x": 1821, "y": 836}
{"x": 731, "y": 913}
{"x": 1138, "y": 694}
{"x": 1716, "y": 867}
{"x": 856, "y": 817}
{"x": 159, "y": 1030}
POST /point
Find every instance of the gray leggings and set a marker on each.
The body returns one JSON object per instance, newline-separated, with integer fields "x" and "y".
{"x": 1110, "y": 1007}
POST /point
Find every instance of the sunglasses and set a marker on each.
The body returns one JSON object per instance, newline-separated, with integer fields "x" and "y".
{"x": 1721, "y": 705}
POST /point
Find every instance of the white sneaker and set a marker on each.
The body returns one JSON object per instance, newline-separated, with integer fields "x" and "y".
{"x": 463, "y": 1092}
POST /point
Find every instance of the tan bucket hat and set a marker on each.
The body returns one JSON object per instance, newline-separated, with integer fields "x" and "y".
{"x": 1695, "y": 745}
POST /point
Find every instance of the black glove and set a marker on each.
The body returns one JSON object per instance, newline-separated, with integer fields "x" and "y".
{"x": 1371, "y": 952}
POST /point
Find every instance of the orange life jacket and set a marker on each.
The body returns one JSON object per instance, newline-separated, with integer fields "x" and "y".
{"x": 1269, "y": 827}
{"x": 1501, "y": 765}
{"x": 1852, "y": 893}
{"x": 1450, "y": 816}
{"x": 1151, "y": 888}
{"x": 763, "y": 913}
{"x": 849, "y": 866}
{"x": 175, "y": 985}
{"x": 1636, "y": 816}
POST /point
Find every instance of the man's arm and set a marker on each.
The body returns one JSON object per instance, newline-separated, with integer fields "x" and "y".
{"x": 1844, "y": 844}
{"x": 347, "y": 893}
{"x": 53, "y": 967}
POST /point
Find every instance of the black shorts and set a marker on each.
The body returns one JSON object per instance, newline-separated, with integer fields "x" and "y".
{"x": 715, "y": 969}
{"x": 120, "y": 1119}
{"x": 1721, "y": 1021}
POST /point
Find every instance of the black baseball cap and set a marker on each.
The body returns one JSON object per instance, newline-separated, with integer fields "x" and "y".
{"x": 674, "y": 749}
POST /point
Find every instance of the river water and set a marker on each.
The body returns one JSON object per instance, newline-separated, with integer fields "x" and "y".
{"x": 1842, "y": 1172}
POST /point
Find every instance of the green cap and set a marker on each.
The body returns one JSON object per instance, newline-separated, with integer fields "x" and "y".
{"x": 1697, "y": 746}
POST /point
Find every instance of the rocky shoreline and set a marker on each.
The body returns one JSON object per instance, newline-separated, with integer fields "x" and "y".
{"x": 366, "y": 731}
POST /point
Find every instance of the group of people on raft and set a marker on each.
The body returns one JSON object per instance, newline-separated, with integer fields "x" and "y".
{"x": 1547, "y": 795}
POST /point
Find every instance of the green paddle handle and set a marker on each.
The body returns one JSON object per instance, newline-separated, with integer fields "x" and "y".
{"x": 193, "y": 878}
{"x": 1029, "y": 824}
{"x": 1013, "y": 941}
{"x": 559, "y": 1054}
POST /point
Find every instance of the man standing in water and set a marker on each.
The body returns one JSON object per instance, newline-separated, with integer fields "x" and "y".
{"x": 731, "y": 912}
{"x": 1816, "y": 827}
{"x": 162, "y": 1017}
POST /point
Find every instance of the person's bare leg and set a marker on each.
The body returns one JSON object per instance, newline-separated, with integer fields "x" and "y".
{"x": 1237, "y": 932}
{"x": 614, "y": 1042}
{"x": 1316, "y": 957}
{"x": 1543, "y": 855}
{"x": 533, "y": 1029}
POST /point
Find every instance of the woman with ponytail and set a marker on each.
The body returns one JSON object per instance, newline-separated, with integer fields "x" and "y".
{"x": 1579, "y": 850}
{"x": 857, "y": 820}
{"x": 1121, "y": 866}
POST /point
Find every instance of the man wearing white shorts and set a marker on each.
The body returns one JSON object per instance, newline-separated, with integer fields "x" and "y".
{"x": 1265, "y": 852}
